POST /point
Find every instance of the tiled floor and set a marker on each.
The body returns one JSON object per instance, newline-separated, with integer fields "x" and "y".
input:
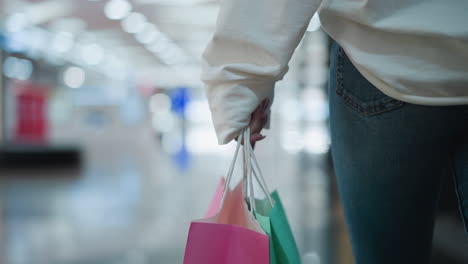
{"x": 130, "y": 203}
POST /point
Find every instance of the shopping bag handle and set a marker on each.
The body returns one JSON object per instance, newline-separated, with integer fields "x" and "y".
{"x": 256, "y": 170}
{"x": 230, "y": 172}
{"x": 249, "y": 170}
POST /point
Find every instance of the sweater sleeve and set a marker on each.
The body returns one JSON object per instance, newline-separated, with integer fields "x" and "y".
{"x": 249, "y": 52}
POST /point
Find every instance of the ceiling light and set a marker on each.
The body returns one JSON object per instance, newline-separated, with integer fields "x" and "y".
{"x": 134, "y": 23}
{"x": 74, "y": 77}
{"x": 117, "y": 9}
{"x": 175, "y": 2}
{"x": 148, "y": 34}
{"x": 160, "y": 45}
{"x": 16, "y": 68}
{"x": 157, "y": 47}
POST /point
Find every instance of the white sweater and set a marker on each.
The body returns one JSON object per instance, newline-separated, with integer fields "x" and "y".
{"x": 413, "y": 50}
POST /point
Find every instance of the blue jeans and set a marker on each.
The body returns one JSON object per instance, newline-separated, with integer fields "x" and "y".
{"x": 389, "y": 159}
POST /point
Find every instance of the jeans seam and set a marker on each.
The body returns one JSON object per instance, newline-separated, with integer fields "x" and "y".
{"x": 377, "y": 107}
{"x": 457, "y": 192}
{"x": 339, "y": 70}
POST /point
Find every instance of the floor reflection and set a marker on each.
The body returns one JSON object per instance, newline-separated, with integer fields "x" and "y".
{"x": 131, "y": 203}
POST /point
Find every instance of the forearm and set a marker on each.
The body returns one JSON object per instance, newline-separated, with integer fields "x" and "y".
{"x": 249, "y": 52}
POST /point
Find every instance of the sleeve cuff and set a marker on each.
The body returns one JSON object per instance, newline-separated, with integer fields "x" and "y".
{"x": 231, "y": 107}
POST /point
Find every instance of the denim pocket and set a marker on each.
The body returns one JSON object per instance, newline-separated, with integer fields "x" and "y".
{"x": 357, "y": 92}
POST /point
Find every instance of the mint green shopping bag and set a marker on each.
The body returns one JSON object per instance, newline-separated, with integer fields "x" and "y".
{"x": 283, "y": 248}
{"x": 269, "y": 212}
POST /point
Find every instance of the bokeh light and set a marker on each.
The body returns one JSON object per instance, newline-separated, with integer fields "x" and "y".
{"x": 74, "y": 77}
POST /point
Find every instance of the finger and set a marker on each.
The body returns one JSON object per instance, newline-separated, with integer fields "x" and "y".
{"x": 266, "y": 103}
{"x": 260, "y": 109}
{"x": 256, "y": 137}
{"x": 257, "y": 114}
{"x": 253, "y": 138}
{"x": 258, "y": 122}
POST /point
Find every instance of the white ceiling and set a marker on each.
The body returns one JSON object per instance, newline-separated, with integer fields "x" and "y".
{"x": 189, "y": 23}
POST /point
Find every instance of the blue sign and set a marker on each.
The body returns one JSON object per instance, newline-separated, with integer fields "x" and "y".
{"x": 182, "y": 158}
{"x": 180, "y": 98}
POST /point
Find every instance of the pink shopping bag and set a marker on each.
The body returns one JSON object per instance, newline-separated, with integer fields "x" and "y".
{"x": 216, "y": 201}
{"x": 230, "y": 236}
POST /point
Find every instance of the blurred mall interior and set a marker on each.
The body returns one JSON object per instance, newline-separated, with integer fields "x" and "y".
{"x": 107, "y": 151}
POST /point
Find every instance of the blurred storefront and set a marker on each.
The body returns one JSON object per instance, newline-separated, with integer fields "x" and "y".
{"x": 107, "y": 147}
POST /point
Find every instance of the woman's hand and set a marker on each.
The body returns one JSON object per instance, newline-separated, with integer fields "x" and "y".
{"x": 258, "y": 120}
